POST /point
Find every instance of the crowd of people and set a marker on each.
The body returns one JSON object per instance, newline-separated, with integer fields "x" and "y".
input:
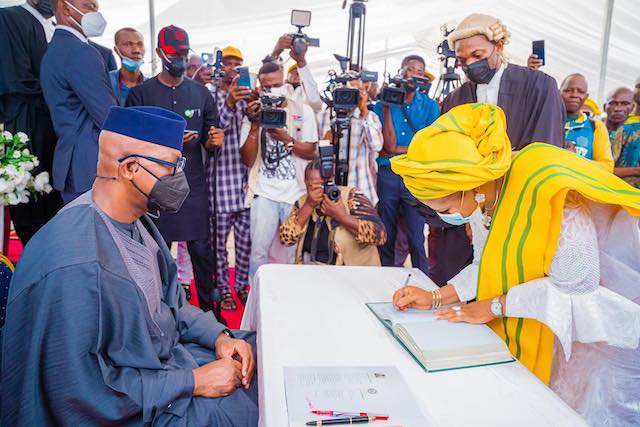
{"x": 141, "y": 164}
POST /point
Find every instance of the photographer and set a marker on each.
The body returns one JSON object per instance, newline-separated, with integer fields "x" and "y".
{"x": 307, "y": 92}
{"x": 399, "y": 125}
{"x": 227, "y": 184}
{"x": 345, "y": 231}
{"x": 365, "y": 142}
{"x": 276, "y": 158}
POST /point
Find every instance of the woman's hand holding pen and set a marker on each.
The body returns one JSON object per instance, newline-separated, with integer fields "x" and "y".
{"x": 412, "y": 297}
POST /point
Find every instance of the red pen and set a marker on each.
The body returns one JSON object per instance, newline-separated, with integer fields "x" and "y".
{"x": 349, "y": 414}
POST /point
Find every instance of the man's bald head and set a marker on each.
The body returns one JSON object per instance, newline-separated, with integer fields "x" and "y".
{"x": 574, "y": 91}
{"x": 636, "y": 96}
{"x": 619, "y": 106}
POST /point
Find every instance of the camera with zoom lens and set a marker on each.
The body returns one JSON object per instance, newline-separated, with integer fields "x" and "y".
{"x": 300, "y": 42}
{"x": 272, "y": 117}
{"x": 327, "y": 152}
{"x": 393, "y": 93}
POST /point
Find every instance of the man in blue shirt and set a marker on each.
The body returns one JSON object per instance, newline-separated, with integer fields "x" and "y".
{"x": 129, "y": 45}
{"x": 400, "y": 123}
{"x": 77, "y": 91}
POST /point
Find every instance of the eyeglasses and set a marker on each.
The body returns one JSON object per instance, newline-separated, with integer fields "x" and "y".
{"x": 178, "y": 166}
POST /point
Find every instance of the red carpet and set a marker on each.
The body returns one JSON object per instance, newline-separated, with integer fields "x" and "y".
{"x": 233, "y": 318}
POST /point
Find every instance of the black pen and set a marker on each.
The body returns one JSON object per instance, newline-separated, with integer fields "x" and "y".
{"x": 346, "y": 420}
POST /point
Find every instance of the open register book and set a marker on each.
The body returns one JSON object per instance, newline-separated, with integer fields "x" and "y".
{"x": 439, "y": 345}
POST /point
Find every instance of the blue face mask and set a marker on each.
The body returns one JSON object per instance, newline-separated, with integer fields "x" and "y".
{"x": 457, "y": 218}
{"x": 132, "y": 64}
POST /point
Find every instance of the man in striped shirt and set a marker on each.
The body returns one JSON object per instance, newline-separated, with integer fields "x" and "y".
{"x": 365, "y": 143}
{"x": 227, "y": 184}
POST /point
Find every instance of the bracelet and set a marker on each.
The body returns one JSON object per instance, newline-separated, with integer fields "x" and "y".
{"x": 436, "y": 297}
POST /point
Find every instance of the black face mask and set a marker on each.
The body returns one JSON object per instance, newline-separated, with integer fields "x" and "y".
{"x": 480, "y": 72}
{"x": 45, "y": 8}
{"x": 176, "y": 66}
{"x": 168, "y": 193}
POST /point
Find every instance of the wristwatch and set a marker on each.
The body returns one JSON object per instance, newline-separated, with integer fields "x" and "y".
{"x": 496, "y": 307}
{"x": 228, "y": 333}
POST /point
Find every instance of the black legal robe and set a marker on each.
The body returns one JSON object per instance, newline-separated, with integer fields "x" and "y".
{"x": 23, "y": 109}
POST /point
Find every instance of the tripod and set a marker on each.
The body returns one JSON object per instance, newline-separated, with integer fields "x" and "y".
{"x": 341, "y": 130}
{"x": 217, "y": 77}
{"x": 447, "y": 83}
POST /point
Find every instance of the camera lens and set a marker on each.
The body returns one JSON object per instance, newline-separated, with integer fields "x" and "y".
{"x": 299, "y": 45}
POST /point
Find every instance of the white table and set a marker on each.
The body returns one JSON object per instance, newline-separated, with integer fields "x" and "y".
{"x": 316, "y": 316}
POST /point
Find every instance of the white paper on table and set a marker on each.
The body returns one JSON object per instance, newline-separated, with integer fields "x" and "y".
{"x": 378, "y": 390}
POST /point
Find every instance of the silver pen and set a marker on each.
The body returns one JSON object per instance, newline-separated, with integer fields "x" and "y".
{"x": 406, "y": 282}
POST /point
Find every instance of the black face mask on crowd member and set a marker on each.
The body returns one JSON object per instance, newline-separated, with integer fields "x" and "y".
{"x": 45, "y": 8}
{"x": 176, "y": 66}
{"x": 480, "y": 72}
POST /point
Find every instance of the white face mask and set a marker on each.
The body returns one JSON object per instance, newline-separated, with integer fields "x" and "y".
{"x": 93, "y": 23}
{"x": 278, "y": 91}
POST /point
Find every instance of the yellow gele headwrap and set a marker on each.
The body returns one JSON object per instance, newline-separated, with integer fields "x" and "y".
{"x": 291, "y": 68}
{"x": 462, "y": 150}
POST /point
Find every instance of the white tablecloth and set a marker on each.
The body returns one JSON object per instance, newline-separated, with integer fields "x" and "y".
{"x": 316, "y": 316}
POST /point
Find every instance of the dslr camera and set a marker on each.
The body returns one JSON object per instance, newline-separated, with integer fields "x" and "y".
{"x": 300, "y": 42}
{"x": 272, "y": 117}
{"x": 327, "y": 170}
{"x": 394, "y": 91}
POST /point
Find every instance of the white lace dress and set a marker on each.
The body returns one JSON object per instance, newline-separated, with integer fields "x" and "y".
{"x": 596, "y": 366}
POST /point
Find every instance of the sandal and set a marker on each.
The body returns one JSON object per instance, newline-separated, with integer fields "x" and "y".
{"x": 187, "y": 291}
{"x": 243, "y": 295}
{"x": 227, "y": 303}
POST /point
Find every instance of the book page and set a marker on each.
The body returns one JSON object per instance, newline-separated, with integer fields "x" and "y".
{"x": 374, "y": 390}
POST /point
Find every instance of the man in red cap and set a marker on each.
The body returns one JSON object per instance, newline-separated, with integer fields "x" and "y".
{"x": 193, "y": 102}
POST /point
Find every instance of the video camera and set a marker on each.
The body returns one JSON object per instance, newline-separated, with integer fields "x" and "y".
{"x": 300, "y": 42}
{"x": 213, "y": 61}
{"x": 394, "y": 91}
{"x": 272, "y": 117}
{"x": 327, "y": 170}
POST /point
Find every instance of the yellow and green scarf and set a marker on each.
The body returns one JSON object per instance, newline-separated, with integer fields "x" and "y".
{"x": 525, "y": 231}
{"x": 526, "y": 225}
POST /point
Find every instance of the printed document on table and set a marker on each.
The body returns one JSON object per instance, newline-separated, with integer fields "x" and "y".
{"x": 377, "y": 390}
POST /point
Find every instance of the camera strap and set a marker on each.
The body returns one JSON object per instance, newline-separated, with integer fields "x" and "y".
{"x": 408, "y": 119}
{"x": 271, "y": 161}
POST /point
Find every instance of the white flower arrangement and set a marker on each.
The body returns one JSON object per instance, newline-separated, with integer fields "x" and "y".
{"x": 17, "y": 184}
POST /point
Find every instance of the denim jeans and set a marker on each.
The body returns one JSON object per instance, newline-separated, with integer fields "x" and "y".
{"x": 266, "y": 217}
{"x": 393, "y": 194}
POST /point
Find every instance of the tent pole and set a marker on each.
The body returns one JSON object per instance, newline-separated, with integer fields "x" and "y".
{"x": 152, "y": 30}
{"x": 604, "y": 49}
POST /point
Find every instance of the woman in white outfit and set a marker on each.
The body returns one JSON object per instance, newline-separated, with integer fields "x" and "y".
{"x": 556, "y": 269}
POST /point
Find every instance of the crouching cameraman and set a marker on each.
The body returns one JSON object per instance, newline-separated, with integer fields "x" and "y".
{"x": 333, "y": 225}
{"x": 278, "y": 139}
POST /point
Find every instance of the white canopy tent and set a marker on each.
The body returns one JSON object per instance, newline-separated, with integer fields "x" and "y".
{"x": 573, "y": 30}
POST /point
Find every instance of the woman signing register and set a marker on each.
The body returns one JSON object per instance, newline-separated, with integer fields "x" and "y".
{"x": 556, "y": 244}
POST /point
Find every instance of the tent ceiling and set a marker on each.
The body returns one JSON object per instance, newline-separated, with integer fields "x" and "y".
{"x": 572, "y": 30}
